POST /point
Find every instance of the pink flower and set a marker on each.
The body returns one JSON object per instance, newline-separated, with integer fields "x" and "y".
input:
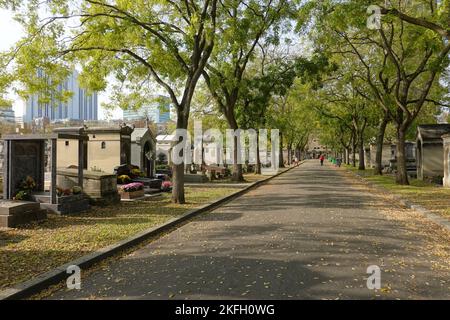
{"x": 135, "y": 186}
{"x": 166, "y": 185}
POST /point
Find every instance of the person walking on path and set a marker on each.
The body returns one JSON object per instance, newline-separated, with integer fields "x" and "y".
{"x": 322, "y": 159}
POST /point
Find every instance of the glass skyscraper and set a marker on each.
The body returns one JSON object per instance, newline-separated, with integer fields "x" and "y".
{"x": 81, "y": 106}
{"x": 157, "y": 111}
{"x": 7, "y": 115}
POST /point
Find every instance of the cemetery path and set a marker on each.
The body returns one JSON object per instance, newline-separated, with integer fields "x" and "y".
{"x": 308, "y": 234}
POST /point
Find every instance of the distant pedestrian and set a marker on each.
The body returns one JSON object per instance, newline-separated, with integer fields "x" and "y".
{"x": 322, "y": 159}
{"x": 339, "y": 162}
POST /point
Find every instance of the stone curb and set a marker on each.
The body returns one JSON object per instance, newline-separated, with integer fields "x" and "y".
{"x": 428, "y": 214}
{"x": 52, "y": 277}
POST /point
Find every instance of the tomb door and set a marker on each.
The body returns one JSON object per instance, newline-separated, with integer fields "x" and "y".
{"x": 125, "y": 152}
{"x": 27, "y": 159}
{"x": 146, "y": 159}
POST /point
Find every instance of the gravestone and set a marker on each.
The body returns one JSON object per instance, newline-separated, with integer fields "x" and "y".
{"x": 14, "y": 213}
{"x": 26, "y": 158}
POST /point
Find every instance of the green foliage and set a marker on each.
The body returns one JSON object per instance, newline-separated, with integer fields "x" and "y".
{"x": 162, "y": 167}
{"x": 137, "y": 43}
{"x": 244, "y": 28}
{"x": 23, "y": 195}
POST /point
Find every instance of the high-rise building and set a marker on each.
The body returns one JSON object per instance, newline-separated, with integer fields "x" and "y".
{"x": 7, "y": 114}
{"x": 81, "y": 106}
{"x": 157, "y": 111}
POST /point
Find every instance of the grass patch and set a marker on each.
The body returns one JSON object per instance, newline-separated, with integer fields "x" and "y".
{"x": 433, "y": 197}
{"x": 37, "y": 248}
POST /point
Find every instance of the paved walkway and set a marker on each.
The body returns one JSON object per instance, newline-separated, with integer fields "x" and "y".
{"x": 309, "y": 234}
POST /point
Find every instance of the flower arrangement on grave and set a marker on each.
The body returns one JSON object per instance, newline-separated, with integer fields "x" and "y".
{"x": 136, "y": 173}
{"x": 26, "y": 186}
{"x": 166, "y": 186}
{"x": 22, "y": 196}
{"x": 77, "y": 190}
{"x": 132, "y": 187}
{"x": 60, "y": 192}
{"x": 123, "y": 179}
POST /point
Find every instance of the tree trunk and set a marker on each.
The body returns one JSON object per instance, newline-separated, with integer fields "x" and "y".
{"x": 402, "y": 174}
{"x": 258, "y": 159}
{"x": 281, "y": 151}
{"x": 347, "y": 156}
{"x": 362, "y": 165}
{"x": 178, "y": 169}
{"x": 290, "y": 155}
{"x": 178, "y": 184}
{"x": 354, "y": 154}
{"x": 379, "y": 145}
{"x": 237, "y": 167}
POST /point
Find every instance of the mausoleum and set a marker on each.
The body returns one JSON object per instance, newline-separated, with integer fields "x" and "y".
{"x": 143, "y": 150}
{"x": 106, "y": 148}
{"x": 430, "y": 150}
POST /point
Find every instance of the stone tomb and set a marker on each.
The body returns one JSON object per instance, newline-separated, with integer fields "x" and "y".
{"x": 387, "y": 154}
{"x": 410, "y": 153}
{"x": 15, "y": 213}
{"x": 446, "y": 139}
{"x": 143, "y": 151}
{"x": 430, "y": 151}
{"x": 25, "y": 157}
{"x": 105, "y": 148}
{"x": 99, "y": 187}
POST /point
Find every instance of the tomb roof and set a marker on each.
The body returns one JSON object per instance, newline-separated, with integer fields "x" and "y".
{"x": 432, "y": 131}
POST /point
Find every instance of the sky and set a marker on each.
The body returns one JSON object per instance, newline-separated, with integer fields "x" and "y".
{"x": 10, "y": 32}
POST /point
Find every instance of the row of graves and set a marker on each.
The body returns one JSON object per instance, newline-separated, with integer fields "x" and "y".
{"x": 428, "y": 158}
{"x": 211, "y": 155}
{"x": 69, "y": 170}
{"x": 389, "y": 157}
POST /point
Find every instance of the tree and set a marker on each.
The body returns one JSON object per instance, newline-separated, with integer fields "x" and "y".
{"x": 139, "y": 42}
{"x": 301, "y": 122}
{"x": 438, "y": 21}
{"x": 243, "y": 26}
{"x": 268, "y": 80}
{"x": 413, "y": 61}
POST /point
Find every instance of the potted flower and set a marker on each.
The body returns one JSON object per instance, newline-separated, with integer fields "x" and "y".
{"x": 25, "y": 189}
{"x": 77, "y": 190}
{"x": 22, "y": 196}
{"x": 132, "y": 191}
{"x": 166, "y": 186}
{"x": 123, "y": 179}
{"x": 60, "y": 192}
{"x": 28, "y": 184}
{"x": 136, "y": 173}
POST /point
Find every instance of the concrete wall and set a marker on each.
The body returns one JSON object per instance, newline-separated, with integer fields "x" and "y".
{"x": 67, "y": 155}
{"x": 102, "y": 159}
{"x": 136, "y": 155}
{"x": 446, "y": 159}
{"x": 432, "y": 161}
{"x": 386, "y": 156}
